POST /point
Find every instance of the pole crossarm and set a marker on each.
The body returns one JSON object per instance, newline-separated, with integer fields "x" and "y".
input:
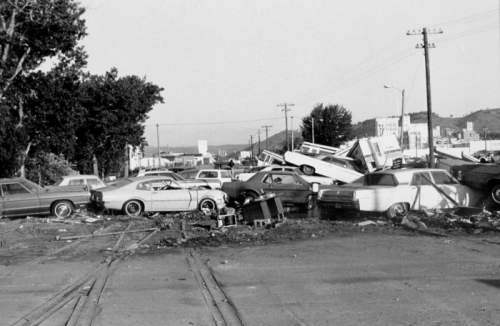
{"x": 426, "y": 46}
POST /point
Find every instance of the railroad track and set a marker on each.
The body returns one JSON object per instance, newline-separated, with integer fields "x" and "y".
{"x": 83, "y": 295}
{"x": 222, "y": 309}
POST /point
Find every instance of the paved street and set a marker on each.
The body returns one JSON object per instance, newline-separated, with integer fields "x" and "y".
{"x": 363, "y": 279}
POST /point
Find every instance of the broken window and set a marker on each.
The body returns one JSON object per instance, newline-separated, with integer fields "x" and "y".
{"x": 419, "y": 179}
{"x": 442, "y": 178}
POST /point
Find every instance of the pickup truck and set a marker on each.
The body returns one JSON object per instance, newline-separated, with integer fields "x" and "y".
{"x": 485, "y": 177}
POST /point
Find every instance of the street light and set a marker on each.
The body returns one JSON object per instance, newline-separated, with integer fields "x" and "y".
{"x": 312, "y": 127}
{"x": 401, "y": 139}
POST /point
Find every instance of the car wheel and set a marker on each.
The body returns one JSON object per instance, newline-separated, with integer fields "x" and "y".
{"x": 62, "y": 209}
{"x": 133, "y": 208}
{"x": 207, "y": 205}
{"x": 495, "y": 193}
{"x": 307, "y": 170}
{"x": 398, "y": 210}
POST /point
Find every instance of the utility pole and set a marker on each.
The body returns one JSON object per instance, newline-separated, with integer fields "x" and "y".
{"x": 426, "y": 47}
{"x": 285, "y": 109}
{"x": 251, "y": 146}
{"x": 267, "y": 134}
{"x": 292, "y": 131}
{"x": 485, "y": 139}
{"x": 312, "y": 129}
{"x": 158, "y": 142}
{"x": 258, "y": 152}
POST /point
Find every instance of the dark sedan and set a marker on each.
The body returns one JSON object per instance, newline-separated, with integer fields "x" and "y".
{"x": 21, "y": 197}
{"x": 289, "y": 186}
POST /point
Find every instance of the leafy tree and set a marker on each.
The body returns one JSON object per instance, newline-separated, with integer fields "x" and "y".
{"x": 332, "y": 125}
{"x": 116, "y": 109}
{"x": 30, "y": 32}
{"x": 51, "y": 113}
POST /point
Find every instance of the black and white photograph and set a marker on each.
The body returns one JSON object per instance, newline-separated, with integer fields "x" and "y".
{"x": 249, "y": 162}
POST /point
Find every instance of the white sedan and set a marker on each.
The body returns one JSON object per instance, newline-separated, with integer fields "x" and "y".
{"x": 134, "y": 196}
{"x": 395, "y": 192}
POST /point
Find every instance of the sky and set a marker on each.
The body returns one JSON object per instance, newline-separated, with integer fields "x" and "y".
{"x": 225, "y": 65}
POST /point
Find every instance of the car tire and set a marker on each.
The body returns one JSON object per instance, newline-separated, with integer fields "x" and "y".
{"x": 207, "y": 203}
{"x": 398, "y": 210}
{"x": 307, "y": 170}
{"x": 133, "y": 208}
{"x": 62, "y": 209}
{"x": 495, "y": 193}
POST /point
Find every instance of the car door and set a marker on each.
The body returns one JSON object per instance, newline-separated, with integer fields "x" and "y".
{"x": 288, "y": 187}
{"x": 18, "y": 200}
{"x": 460, "y": 193}
{"x": 426, "y": 196}
{"x": 170, "y": 198}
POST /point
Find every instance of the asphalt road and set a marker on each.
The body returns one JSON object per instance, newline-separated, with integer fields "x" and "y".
{"x": 360, "y": 279}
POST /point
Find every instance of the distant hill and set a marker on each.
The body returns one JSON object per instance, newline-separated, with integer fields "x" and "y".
{"x": 276, "y": 144}
{"x": 487, "y": 118}
{"x": 150, "y": 150}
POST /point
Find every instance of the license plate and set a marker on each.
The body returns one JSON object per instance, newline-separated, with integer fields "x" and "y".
{"x": 338, "y": 205}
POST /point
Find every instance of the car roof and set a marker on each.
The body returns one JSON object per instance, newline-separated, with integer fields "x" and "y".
{"x": 17, "y": 179}
{"x": 398, "y": 171}
{"x": 280, "y": 172}
{"x": 80, "y": 176}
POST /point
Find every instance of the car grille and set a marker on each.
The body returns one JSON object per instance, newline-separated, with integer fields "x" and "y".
{"x": 337, "y": 196}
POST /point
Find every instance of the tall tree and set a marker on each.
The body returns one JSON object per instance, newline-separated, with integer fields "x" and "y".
{"x": 332, "y": 125}
{"x": 116, "y": 109}
{"x": 30, "y": 32}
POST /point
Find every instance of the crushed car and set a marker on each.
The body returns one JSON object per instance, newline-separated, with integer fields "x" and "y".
{"x": 135, "y": 196}
{"x": 483, "y": 177}
{"x": 290, "y": 187}
{"x": 395, "y": 192}
{"x": 309, "y": 178}
{"x": 21, "y": 197}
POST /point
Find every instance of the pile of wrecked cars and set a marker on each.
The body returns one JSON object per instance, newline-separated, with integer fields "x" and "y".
{"x": 365, "y": 175}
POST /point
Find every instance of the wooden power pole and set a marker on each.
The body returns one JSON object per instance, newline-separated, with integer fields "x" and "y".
{"x": 424, "y": 32}
{"x": 285, "y": 109}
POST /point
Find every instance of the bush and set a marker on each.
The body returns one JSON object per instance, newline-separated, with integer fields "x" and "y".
{"x": 47, "y": 168}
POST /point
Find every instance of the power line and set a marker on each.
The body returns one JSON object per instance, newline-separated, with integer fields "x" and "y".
{"x": 213, "y": 122}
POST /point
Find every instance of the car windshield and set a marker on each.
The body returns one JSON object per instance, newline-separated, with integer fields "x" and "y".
{"x": 377, "y": 179}
{"x": 31, "y": 185}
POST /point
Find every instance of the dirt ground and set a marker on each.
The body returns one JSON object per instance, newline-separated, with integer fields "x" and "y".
{"x": 309, "y": 270}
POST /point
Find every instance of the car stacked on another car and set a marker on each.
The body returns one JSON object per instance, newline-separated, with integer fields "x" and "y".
{"x": 21, "y": 197}
{"x": 395, "y": 192}
{"x": 134, "y": 196}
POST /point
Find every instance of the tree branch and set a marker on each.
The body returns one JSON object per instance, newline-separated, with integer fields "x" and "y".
{"x": 19, "y": 67}
{"x": 20, "y": 112}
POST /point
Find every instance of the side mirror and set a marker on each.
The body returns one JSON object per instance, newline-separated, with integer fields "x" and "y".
{"x": 315, "y": 187}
